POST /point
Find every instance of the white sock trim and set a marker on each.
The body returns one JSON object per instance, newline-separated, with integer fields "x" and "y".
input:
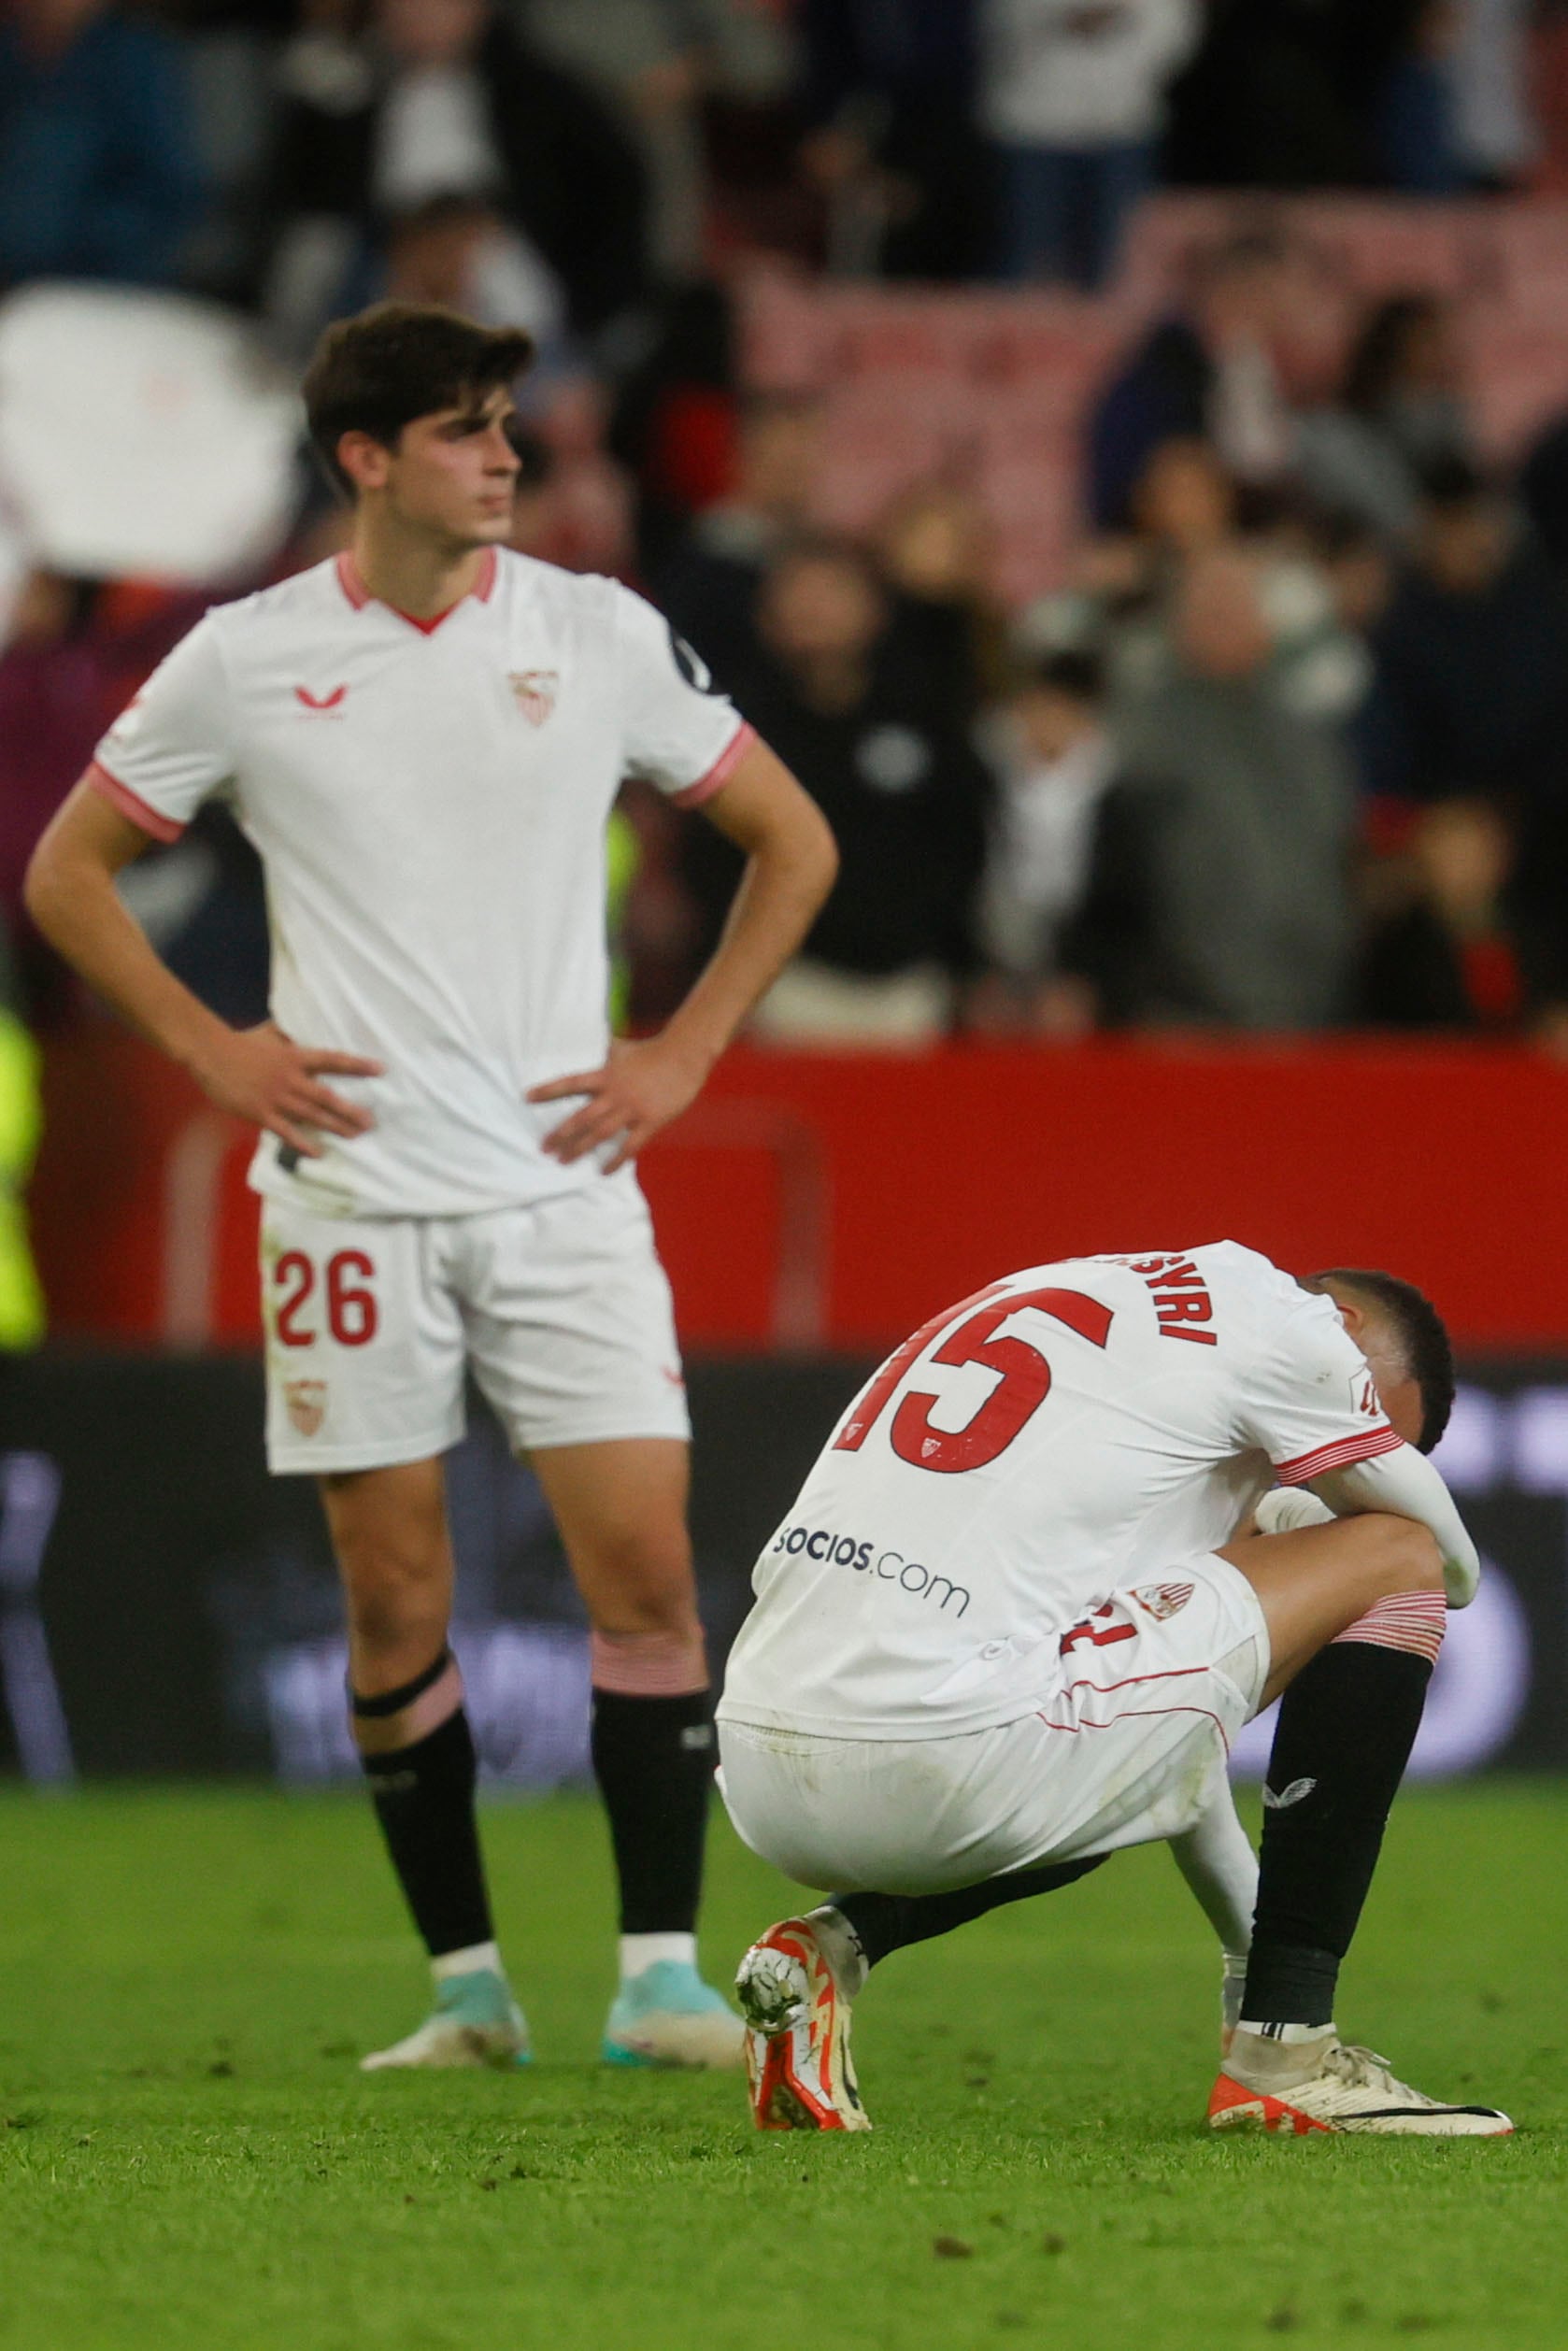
{"x": 639, "y": 1952}
{"x": 1286, "y": 2037}
{"x": 473, "y": 1959}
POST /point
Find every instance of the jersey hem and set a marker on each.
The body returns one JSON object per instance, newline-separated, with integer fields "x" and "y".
{"x": 718, "y": 776}
{"x": 271, "y": 1182}
{"x": 907, "y": 1731}
{"x": 1339, "y": 1455}
{"x": 130, "y": 804}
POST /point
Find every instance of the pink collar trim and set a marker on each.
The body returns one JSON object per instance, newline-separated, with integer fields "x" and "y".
{"x": 351, "y": 580}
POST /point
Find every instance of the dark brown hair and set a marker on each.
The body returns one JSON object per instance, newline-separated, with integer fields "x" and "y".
{"x": 397, "y": 361}
{"x": 1428, "y": 1353}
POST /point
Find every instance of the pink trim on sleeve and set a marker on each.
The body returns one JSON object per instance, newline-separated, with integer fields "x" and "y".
{"x": 1339, "y": 1455}
{"x": 720, "y": 773}
{"x": 131, "y": 805}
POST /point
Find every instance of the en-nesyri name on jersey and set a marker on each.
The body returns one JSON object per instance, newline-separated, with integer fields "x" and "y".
{"x": 1073, "y": 1430}
{"x": 428, "y": 801}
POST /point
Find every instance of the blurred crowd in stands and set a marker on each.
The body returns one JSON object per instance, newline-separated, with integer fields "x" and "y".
{"x": 1274, "y": 735}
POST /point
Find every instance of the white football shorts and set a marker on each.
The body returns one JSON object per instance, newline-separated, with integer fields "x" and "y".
{"x": 1130, "y": 1723}
{"x": 562, "y": 1309}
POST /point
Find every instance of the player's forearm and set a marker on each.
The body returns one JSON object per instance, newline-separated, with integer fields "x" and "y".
{"x": 780, "y": 894}
{"x": 1404, "y": 1483}
{"x": 74, "y": 903}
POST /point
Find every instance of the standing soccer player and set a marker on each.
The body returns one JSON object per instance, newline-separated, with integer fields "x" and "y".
{"x": 423, "y": 739}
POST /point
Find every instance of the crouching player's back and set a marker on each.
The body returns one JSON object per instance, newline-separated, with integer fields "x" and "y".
{"x": 1008, "y": 1626}
{"x": 1068, "y": 1429}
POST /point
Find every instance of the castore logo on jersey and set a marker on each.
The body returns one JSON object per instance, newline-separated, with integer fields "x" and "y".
{"x": 322, "y": 706}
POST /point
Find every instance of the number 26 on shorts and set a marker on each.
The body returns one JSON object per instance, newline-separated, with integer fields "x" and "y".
{"x": 353, "y": 1315}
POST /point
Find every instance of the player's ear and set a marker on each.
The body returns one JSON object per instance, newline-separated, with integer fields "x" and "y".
{"x": 364, "y": 460}
{"x": 1352, "y": 1316}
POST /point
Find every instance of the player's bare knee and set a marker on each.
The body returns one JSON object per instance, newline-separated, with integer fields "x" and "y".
{"x": 642, "y": 1599}
{"x": 395, "y": 1594}
{"x": 641, "y": 1583}
{"x": 397, "y": 1616}
{"x": 1403, "y": 1555}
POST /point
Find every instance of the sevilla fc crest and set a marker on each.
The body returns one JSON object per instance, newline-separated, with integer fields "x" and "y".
{"x": 534, "y": 690}
{"x": 307, "y": 1403}
{"x": 1164, "y": 1599}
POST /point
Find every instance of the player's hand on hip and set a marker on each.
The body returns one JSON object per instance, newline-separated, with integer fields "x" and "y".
{"x": 641, "y": 1086}
{"x": 263, "y": 1076}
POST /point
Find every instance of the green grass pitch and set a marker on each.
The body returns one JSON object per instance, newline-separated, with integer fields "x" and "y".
{"x": 188, "y": 2157}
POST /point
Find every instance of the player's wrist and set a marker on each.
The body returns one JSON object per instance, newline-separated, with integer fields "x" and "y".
{"x": 198, "y": 1045}
{"x": 696, "y": 1047}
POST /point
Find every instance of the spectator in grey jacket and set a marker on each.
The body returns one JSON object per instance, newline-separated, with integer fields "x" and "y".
{"x": 1218, "y": 893}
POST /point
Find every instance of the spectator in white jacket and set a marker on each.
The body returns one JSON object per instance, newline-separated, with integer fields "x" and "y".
{"x": 1073, "y": 94}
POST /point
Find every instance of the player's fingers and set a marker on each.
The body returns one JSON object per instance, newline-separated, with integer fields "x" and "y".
{"x": 586, "y": 1081}
{"x": 298, "y": 1138}
{"x": 637, "y": 1129}
{"x": 318, "y": 1061}
{"x": 601, "y": 1115}
{"x": 639, "y": 1133}
{"x": 330, "y": 1110}
{"x": 579, "y": 1135}
{"x": 631, "y": 1144}
{"x": 313, "y": 1110}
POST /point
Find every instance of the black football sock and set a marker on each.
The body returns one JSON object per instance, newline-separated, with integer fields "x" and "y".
{"x": 418, "y": 1753}
{"x": 653, "y": 1761}
{"x": 885, "y": 1923}
{"x": 1346, "y": 1726}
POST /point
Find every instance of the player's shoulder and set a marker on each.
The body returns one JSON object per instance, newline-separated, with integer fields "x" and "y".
{"x": 1290, "y": 1323}
{"x": 304, "y": 600}
{"x": 1228, "y": 1262}
{"x": 1234, "y": 1261}
{"x": 1254, "y": 1282}
{"x": 528, "y": 580}
{"x": 1253, "y": 1299}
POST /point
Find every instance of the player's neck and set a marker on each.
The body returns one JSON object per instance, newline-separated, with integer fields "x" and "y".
{"x": 414, "y": 572}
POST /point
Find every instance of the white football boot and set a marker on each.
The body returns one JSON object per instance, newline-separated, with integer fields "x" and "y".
{"x": 667, "y": 2016}
{"x": 476, "y": 2021}
{"x": 1327, "y": 2083}
{"x": 795, "y": 1985}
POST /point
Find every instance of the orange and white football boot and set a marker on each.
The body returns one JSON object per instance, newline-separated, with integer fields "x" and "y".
{"x": 1331, "y": 2085}
{"x": 797, "y": 2008}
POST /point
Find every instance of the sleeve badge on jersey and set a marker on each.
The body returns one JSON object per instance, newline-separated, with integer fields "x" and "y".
{"x": 534, "y": 692}
{"x": 1162, "y": 1600}
{"x": 305, "y": 1401}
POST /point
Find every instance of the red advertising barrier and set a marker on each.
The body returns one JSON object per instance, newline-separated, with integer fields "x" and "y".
{"x": 815, "y": 1201}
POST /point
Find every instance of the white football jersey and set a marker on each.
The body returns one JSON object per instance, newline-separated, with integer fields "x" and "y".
{"x": 1073, "y": 1430}
{"x": 428, "y": 801}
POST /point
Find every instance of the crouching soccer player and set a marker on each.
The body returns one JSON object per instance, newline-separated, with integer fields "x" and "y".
{"x": 423, "y": 739}
{"x": 1001, "y": 1634}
